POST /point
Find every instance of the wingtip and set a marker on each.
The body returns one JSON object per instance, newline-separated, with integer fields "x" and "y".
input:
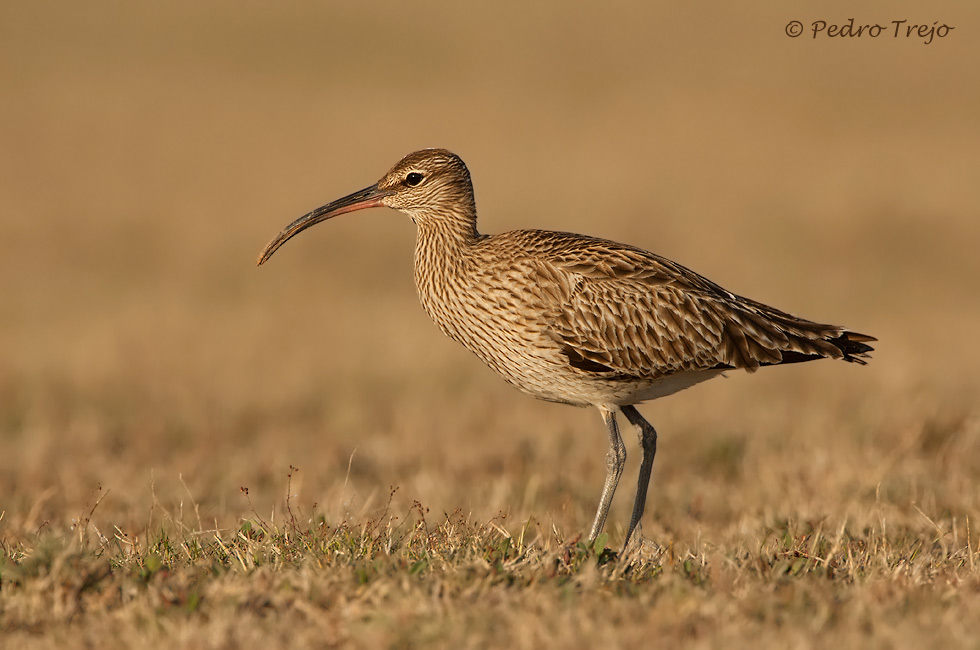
{"x": 855, "y": 346}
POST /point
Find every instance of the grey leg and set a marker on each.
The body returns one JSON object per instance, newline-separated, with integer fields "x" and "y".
{"x": 648, "y": 443}
{"x": 615, "y": 460}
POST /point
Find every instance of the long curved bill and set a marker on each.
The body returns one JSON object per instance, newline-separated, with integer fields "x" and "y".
{"x": 369, "y": 197}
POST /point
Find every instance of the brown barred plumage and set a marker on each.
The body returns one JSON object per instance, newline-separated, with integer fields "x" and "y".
{"x": 575, "y": 319}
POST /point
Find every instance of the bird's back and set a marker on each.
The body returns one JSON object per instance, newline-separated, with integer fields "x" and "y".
{"x": 583, "y": 320}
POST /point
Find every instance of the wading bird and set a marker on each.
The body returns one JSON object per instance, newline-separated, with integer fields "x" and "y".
{"x": 575, "y": 319}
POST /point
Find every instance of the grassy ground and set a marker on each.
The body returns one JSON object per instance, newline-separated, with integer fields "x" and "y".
{"x": 197, "y": 453}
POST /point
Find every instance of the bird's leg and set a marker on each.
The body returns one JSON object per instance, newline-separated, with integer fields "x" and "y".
{"x": 615, "y": 460}
{"x": 648, "y": 443}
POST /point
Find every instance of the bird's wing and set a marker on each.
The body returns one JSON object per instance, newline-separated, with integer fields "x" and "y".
{"x": 622, "y": 311}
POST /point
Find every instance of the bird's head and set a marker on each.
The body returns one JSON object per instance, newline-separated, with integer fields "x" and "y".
{"x": 428, "y": 185}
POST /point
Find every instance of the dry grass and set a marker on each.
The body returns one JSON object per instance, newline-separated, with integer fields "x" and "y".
{"x": 148, "y": 372}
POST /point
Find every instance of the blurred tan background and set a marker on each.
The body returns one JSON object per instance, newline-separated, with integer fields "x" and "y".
{"x": 149, "y": 151}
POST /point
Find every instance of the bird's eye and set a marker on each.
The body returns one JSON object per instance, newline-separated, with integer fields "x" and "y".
{"x": 413, "y": 179}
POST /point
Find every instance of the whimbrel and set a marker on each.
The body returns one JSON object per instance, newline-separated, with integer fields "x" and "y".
{"x": 575, "y": 319}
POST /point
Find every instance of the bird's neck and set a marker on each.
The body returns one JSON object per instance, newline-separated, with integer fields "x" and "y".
{"x": 442, "y": 259}
{"x": 443, "y": 236}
